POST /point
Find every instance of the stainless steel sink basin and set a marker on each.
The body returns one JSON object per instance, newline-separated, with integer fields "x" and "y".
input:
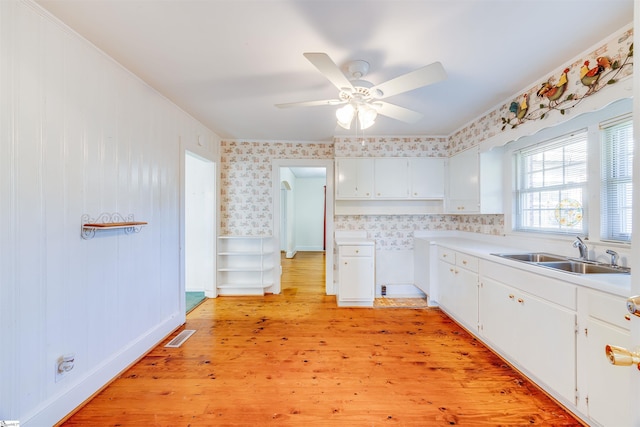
{"x": 534, "y": 257}
{"x": 566, "y": 264}
{"x": 579, "y": 267}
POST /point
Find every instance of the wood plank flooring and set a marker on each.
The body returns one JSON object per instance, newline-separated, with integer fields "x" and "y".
{"x": 296, "y": 359}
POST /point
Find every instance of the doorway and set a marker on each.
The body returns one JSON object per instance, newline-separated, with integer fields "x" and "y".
{"x": 199, "y": 229}
{"x": 294, "y": 235}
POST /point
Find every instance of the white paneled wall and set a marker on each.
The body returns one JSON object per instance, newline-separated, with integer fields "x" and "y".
{"x": 80, "y": 135}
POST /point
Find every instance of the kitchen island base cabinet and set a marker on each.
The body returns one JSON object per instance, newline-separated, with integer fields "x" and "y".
{"x": 535, "y": 335}
{"x": 356, "y": 275}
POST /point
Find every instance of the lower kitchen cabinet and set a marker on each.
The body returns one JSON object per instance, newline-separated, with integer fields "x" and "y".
{"x": 537, "y": 336}
{"x": 458, "y": 286}
{"x": 356, "y": 274}
{"x": 607, "y": 385}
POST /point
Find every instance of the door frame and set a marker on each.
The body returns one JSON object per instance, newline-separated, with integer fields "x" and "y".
{"x": 204, "y": 155}
{"x": 327, "y": 164}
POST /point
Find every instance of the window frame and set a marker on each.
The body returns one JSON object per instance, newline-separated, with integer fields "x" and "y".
{"x": 591, "y": 121}
{"x": 581, "y": 135}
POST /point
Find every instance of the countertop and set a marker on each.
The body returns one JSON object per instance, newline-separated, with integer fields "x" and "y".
{"x": 618, "y": 284}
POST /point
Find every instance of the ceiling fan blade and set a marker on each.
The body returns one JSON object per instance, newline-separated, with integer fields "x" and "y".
{"x": 424, "y": 76}
{"x": 331, "y": 71}
{"x": 311, "y": 103}
{"x": 396, "y": 112}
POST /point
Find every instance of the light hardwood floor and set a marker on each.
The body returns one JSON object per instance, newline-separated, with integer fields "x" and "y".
{"x": 296, "y": 359}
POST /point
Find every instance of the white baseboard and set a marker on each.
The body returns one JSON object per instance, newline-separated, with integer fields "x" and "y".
{"x": 59, "y": 406}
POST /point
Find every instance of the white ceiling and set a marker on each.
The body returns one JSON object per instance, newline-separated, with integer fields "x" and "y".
{"x": 227, "y": 62}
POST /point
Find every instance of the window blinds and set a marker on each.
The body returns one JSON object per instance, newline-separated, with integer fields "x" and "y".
{"x": 616, "y": 186}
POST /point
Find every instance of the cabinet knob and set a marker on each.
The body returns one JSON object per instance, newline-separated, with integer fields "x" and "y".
{"x": 520, "y": 300}
{"x": 357, "y": 251}
{"x": 464, "y": 262}
{"x": 511, "y": 296}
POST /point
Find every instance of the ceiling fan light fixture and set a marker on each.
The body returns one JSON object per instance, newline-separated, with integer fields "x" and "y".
{"x": 366, "y": 116}
{"x": 345, "y": 115}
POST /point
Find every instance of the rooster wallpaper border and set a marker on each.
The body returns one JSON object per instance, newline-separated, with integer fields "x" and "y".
{"x": 607, "y": 71}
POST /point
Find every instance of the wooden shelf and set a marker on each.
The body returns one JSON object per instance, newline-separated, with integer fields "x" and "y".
{"x": 107, "y": 221}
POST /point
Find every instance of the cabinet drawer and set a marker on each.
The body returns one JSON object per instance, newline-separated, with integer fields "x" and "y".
{"x": 446, "y": 255}
{"x": 467, "y": 261}
{"x": 608, "y": 308}
{"x": 355, "y": 250}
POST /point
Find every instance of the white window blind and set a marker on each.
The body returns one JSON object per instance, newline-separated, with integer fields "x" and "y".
{"x": 551, "y": 186}
{"x": 616, "y": 186}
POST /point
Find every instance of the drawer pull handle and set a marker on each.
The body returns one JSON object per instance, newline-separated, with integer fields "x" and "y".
{"x": 627, "y": 317}
{"x": 511, "y": 296}
{"x": 520, "y": 300}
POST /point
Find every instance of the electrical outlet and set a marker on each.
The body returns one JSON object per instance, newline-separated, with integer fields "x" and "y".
{"x": 64, "y": 364}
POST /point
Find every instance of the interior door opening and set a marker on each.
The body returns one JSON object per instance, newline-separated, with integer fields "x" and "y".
{"x": 199, "y": 226}
{"x": 303, "y": 211}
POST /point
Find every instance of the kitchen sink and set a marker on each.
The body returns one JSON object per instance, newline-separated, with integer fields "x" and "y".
{"x": 534, "y": 257}
{"x": 566, "y": 264}
{"x": 580, "y": 267}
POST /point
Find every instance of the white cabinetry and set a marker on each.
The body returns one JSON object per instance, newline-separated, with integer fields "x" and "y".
{"x": 356, "y": 273}
{"x": 475, "y": 182}
{"x": 391, "y": 178}
{"x": 537, "y": 333}
{"x": 354, "y": 178}
{"x": 245, "y": 265}
{"x": 608, "y": 385}
{"x": 426, "y": 177}
{"x": 458, "y": 286}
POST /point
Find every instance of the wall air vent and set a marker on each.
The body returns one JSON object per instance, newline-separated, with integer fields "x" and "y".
{"x": 180, "y": 338}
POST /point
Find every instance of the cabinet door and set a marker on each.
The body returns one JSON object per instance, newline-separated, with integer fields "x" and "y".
{"x": 356, "y": 278}
{"x": 464, "y": 195}
{"x": 498, "y": 316}
{"x": 354, "y": 178}
{"x": 458, "y": 293}
{"x": 426, "y": 178}
{"x": 391, "y": 179}
{"x": 608, "y": 402}
{"x": 446, "y": 293}
{"x": 547, "y": 343}
{"x": 466, "y": 297}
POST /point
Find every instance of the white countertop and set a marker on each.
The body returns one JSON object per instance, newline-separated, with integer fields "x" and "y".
{"x": 618, "y": 284}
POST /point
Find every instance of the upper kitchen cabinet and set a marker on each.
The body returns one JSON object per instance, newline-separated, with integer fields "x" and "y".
{"x": 426, "y": 177}
{"x": 475, "y": 182}
{"x": 354, "y": 178}
{"x": 390, "y": 178}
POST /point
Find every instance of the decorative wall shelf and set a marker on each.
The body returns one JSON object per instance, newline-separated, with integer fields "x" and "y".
{"x": 109, "y": 221}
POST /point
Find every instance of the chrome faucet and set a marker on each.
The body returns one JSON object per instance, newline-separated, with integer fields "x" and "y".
{"x": 614, "y": 257}
{"x": 582, "y": 247}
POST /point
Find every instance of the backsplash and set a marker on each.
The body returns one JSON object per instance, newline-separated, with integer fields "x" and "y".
{"x": 396, "y": 232}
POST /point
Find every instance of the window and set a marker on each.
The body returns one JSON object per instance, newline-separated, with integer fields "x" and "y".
{"x": 551, "y": 184}
{"x": 616, "y": 185}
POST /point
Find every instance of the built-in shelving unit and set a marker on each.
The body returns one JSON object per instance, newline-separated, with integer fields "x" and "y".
{"x": 245, "y": 265}
{"x": 109, "y": 221}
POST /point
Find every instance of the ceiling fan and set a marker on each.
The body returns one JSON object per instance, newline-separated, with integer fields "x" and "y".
{"x": 363, "y": 99}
